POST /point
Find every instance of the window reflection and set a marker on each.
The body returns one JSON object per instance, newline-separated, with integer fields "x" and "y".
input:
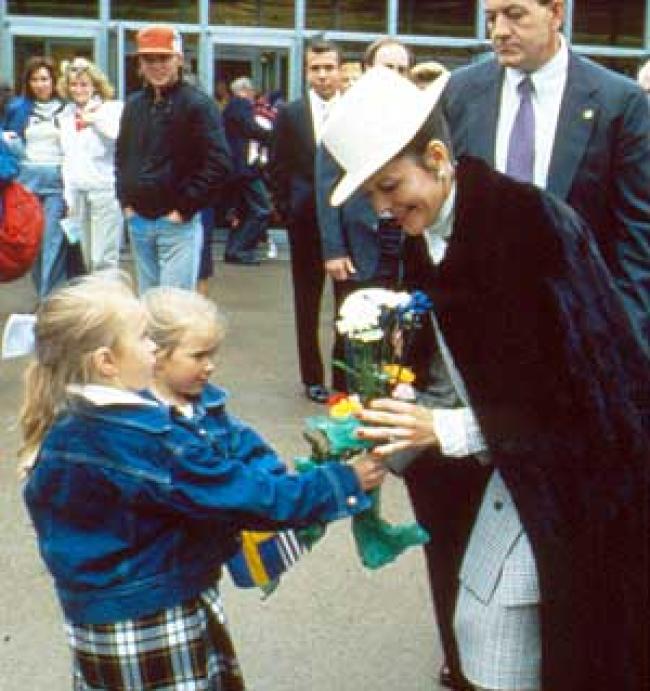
{"x": 278, "y": 13}
{"x": 166, "y": 11}
{"x": 55, "y": 8}
{"x": 609, "y": 22}
{"x": 348, "y": 15}
{"x": 626, "y": 66}
{"x": 456, "y": 18}
{"x": 451, "y": 58}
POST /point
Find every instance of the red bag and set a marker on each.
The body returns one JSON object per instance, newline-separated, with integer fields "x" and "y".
{"x": 21, "y": 230}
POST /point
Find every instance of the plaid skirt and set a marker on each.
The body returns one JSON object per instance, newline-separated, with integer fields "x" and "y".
{"x": 183, "y": 648}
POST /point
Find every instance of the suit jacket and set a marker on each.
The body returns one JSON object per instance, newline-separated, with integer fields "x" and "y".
{"x": 349, "y": 230}
{"x": 600, "y": 162}
{"x": 291, "y": 163}
{"x": 560, "y": 387}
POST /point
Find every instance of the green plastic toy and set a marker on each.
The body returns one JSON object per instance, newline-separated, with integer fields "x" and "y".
{"x": 377, "y": 542}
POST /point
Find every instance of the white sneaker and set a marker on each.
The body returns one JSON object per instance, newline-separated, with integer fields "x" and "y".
{"x": 271, "y": 249}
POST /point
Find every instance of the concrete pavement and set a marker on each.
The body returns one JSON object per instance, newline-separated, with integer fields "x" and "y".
{"x": 331, "y": 625}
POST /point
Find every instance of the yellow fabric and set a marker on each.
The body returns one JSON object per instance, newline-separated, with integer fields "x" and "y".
{"x": 250, "y": 541}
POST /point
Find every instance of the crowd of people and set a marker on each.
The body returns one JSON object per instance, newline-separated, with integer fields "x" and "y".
{"x": 514, "y": 191}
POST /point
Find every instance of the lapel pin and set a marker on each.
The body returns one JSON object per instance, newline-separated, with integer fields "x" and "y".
{"x": 588, "y": 114}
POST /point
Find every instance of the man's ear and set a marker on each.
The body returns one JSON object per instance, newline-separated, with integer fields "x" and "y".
{"x": 436, "y": 156}
{"x": 104, "y": 363}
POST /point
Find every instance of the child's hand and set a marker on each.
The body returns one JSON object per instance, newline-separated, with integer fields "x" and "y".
{"x": 370, "y": 471}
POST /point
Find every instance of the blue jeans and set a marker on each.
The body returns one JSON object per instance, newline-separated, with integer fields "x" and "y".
{"x": 256, "y": 209}
{"x": 165, "y": 253}
{"x": 49, "y": 270}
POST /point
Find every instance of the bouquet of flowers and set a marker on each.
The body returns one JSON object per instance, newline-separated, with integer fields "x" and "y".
{"x": 377, "y": 325}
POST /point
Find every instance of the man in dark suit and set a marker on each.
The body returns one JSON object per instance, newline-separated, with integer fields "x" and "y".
{"x": 591, "y": 148}
{"x": 291, "y": 167}
{"x": 591, "y": 136}
{"x": 246, "y": 185}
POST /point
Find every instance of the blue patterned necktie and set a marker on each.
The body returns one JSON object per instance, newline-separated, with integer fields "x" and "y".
{"x": 521, "y": 145}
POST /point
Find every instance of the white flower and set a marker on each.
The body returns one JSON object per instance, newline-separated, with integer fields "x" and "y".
{"x": 362, "y": 309}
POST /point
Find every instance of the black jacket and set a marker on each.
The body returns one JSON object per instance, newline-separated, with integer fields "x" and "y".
{"x": 560, "y": 387}
{"x": 170, "y": 154}
{"x": 291, "y": 165}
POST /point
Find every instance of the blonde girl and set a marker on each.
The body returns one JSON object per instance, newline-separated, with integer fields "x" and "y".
{"x": 88, "y": 133}
{"x": 136, "y": 506}
{"x": 188, "y": 330}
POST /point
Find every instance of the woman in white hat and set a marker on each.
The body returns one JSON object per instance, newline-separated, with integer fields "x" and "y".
{"x": 535, "y": 339}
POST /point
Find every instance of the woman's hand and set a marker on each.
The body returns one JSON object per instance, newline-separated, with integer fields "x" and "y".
{"x": 370, "y": 471}
{"x": 396, "y": 426}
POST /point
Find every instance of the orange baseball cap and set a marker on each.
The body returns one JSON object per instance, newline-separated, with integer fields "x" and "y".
{"x": 159, "y": 39}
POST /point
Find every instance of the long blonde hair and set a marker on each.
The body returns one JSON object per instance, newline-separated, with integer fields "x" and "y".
{"x": 71, "y": 324}
{"x": 174, "y": 312}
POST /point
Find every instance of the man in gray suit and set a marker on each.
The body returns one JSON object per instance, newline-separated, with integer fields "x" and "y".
{"x": 591, "y": 145}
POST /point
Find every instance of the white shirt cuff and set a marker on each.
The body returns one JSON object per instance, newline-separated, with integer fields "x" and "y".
{"x": 458, "y": 432}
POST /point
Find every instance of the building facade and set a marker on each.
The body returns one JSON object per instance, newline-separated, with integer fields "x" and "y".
{"x": 264, "y": 39}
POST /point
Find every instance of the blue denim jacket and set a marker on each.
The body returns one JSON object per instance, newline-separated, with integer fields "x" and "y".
{"x": 136, "y": 506}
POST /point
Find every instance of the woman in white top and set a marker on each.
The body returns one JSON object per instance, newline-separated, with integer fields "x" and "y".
{"x": 88, "y": 132}
{"x": 35, "y": 117}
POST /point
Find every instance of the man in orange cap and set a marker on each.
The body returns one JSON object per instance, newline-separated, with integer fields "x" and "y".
{"x": 172, "y": 160}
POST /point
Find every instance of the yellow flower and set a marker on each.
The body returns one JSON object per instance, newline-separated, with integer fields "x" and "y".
{"x": 345, "y": 407}
{"x": 399, "y": 374}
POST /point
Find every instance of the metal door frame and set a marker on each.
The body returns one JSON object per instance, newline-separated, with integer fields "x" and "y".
{"x": 216, "y": 38}
{"x": 49, "y": 28}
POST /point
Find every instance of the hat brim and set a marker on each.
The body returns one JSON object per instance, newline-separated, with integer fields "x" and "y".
{"x": 350, "y": 182}
{"x": 157, "y": 51}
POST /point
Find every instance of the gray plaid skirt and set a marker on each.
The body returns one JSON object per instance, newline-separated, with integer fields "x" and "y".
{"x": 499, "y": 640}
{"x": 185, "y": 647}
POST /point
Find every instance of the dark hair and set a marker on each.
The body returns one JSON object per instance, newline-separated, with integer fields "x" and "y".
{"x": 33, "y": 64}
{"x": 434, "y": 127}
{"x": 370, "y": 55}
{"x": 319, "y": 44}
{"x": 6, "y": 94}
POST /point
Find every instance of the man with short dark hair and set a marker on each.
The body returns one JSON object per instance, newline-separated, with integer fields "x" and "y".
{"x": 297, "y": 131}
{"x": 171, "y": 161}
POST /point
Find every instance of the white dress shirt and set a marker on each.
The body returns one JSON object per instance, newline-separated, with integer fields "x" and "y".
{"x": 548, "y": 82}
{"x": 320, "y": 110}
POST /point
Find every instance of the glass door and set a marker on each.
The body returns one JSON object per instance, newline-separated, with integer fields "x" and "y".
{"x": 266, "y": 61}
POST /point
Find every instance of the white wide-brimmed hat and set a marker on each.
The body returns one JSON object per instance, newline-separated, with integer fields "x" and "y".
{"x": 373, "y": 121}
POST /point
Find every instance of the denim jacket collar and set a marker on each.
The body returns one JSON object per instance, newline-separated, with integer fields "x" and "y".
{"x": 108, "y": 404}
{"x": 211, "y": 398}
